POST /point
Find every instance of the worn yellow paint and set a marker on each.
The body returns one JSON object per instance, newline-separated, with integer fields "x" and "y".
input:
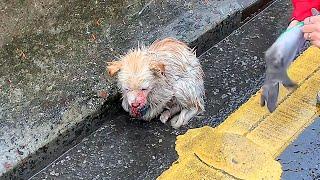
{"x": 246, "y": 144}
{"x": 277, "y": 130}
{"x": 225, "y": 154}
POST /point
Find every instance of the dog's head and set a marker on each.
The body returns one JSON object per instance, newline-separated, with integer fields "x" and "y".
{"x": 138, "y": 74}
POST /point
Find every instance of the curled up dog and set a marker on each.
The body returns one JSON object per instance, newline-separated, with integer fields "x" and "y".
{"x": 164, "y": 79}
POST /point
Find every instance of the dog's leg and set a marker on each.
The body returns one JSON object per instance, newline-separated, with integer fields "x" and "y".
{"x": 165, "y": 115}
{"x": 183, "y": 118}
{"x": 191, "y": 114}
{"x": 153, "y": 112}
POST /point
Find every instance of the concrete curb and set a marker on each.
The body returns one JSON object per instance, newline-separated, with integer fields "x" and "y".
{"x": 208, "y": 32}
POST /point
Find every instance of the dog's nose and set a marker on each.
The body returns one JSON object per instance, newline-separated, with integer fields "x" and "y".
{"x": 135, "y": 105}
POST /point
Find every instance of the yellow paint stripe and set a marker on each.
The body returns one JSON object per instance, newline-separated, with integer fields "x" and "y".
{"x": 278, "y": 129}
{"x": 246, "y": 144}
{"x": 250, "y": 113}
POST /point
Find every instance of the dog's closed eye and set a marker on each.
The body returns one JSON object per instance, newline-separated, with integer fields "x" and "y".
{"x": 126, "y": 89}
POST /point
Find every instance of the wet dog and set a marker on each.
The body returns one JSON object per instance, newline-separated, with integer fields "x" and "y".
{"x": 163, "y": 79}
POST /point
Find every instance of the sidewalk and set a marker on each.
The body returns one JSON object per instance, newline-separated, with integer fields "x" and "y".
{"x": 53, "y": 87}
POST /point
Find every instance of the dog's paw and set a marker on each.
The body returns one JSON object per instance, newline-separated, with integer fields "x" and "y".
{"x": 164, "y": 116}
{"x": 175, "y": 123}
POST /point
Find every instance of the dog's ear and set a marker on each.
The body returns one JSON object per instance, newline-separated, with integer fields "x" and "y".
{"x": 113, "y": 67}
{"x": 157, "y": 67}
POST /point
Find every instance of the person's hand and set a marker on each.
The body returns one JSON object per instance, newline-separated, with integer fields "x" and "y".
{"x": 311, "y": 30}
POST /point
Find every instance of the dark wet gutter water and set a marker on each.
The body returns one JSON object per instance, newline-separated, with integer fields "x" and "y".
{"x": 227, "y": 26}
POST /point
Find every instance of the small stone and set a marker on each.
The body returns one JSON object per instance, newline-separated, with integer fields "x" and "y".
{"x": 53, "y": 173}
{"x": 234, "y": 161}
{"x": 49, "y": 88}
{"x": 37, "y": 88}
{"x": 224, "y": 96}
{"x": 160, "y": 140}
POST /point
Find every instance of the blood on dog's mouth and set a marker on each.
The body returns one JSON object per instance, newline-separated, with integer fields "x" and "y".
{"x": 138, "y": 111}
{"x": 134, "y": 112}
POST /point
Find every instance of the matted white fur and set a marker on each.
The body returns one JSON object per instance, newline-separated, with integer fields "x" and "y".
{"x": 168, "y": 75}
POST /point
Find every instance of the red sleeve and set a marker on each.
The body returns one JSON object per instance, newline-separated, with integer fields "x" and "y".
{"x": 302, "y": 8}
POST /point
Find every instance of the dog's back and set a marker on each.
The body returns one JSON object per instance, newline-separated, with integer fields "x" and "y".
{"x": 183, "y": 69}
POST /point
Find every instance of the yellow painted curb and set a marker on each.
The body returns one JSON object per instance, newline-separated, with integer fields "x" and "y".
{"x": 246, "y": 144}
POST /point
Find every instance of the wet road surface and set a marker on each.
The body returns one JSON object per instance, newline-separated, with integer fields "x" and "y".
{"x": 301, "y": 160}
{"x": 53, "y": 82}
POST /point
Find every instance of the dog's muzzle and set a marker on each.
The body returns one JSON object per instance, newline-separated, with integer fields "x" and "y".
{"x": 139, "y": 112}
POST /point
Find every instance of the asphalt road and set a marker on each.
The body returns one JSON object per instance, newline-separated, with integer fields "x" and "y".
{"x": 301, "y": 160}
